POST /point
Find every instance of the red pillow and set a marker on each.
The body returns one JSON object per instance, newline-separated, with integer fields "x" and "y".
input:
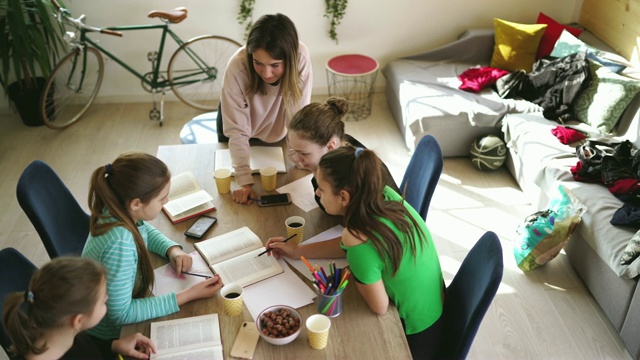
{"x": 551, "y": 35}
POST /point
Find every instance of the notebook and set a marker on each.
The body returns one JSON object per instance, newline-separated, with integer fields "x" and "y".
{"x": 260, "y": 157}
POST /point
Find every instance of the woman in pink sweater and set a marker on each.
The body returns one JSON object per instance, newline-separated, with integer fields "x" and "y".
{"x": 265, "y": 83}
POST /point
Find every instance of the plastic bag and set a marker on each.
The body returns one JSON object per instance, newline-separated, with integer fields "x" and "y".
{"x": 544, "y": 233}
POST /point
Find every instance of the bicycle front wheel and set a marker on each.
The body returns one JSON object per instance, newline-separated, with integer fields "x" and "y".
{"x": 71, "y": 88}
{"x": 196, "y": 68}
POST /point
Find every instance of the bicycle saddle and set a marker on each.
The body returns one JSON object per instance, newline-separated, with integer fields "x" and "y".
{"x": 173, "y": 16}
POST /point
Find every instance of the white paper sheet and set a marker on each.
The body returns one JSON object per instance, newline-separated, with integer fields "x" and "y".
{"x": 167, "y": 281}
{"x": 283, "y": 289}
{"x": 301, "y": 192}
{"x": 329, "y": 234}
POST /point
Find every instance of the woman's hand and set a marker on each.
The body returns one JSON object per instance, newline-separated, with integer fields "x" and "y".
{"x": 136, "y": 346}
{"x": 201, "y": 290}
{"x": 242, "y": 194}
{"x": 280, "y": 248}
{"x": 180, "y": 260}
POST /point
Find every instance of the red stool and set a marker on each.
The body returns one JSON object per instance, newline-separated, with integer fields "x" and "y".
{"x": 352, "y": 77}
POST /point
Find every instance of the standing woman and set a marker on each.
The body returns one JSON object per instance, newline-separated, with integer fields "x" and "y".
{"x": 123, "y": 196}
{"x": 265, "y": 83}
{"x": 389, "y": 248}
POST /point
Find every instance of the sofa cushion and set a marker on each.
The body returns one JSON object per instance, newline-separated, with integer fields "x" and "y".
{"x": 567, "y": 44}
{"x": 551, "y": 34}
{"x": 602, "y": 103}
{"x": 516, "y": 45}
{"x": 545, "y": 165}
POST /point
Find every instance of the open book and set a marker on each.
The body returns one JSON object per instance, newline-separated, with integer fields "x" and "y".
{"x": 186, "y": 198}
{"x": 196, "y": 337}
{"x": 233, "y": 256}
{"x": 259, "y": 157}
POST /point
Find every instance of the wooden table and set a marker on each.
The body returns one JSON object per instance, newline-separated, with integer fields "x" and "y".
{"x": 357, "y": 332}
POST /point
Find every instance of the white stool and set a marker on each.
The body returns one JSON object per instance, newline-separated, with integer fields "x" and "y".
{"x": 200, "y": 130}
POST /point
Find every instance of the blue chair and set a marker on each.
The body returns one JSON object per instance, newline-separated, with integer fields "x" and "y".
{"x": 422, "y": 174}
{"x": 15, "y": 273}
{"x": 469, "y": 296}
{"x": 58, "y": 218}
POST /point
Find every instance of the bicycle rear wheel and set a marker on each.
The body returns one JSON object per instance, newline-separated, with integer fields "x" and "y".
{"x": 71, "y": 88}
{"x": 196, "y": 68}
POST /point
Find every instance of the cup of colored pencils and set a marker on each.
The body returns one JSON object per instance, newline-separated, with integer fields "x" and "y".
{"x": 329, "y": 286}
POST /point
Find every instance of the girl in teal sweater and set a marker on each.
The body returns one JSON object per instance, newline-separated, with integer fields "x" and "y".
{"x": 123, "y": 196}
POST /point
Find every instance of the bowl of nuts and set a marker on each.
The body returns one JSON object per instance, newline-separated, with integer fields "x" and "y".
{"x": 279, "y": 324}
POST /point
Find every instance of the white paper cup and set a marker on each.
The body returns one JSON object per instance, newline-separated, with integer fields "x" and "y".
{"x": 318, "y": 327}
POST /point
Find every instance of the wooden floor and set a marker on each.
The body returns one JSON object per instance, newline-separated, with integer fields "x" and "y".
{"x": 545, "y": 314}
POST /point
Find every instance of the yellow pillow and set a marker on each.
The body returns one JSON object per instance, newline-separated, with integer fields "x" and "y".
{"x": 516, "y": 45}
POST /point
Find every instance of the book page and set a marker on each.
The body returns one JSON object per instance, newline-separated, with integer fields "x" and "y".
{"x": 226, "y": 246}
{"x": 248, "y": 268}
{"x": 182, "y": 184}
{"x": 259, "y": 157}
{"x": 187, "y": 202}
{"x": 178, "y": 336}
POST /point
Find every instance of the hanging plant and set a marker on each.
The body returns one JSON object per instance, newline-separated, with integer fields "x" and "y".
{"x": 245, "y": 15}
{"x": 335, "y": 11}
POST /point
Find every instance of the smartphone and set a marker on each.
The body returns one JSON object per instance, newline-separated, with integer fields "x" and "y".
{"x": 246, "y": 341}
{"x": 271, "y": 200}
{"x": 201, "y": 226}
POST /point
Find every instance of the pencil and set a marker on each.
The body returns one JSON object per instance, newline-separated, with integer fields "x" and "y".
{"x": 308, "y": 264}
{"x": 284, "y": 241}
{"x": 194, "y": 274}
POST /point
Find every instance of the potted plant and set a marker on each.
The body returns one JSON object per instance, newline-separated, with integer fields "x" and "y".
{"x": 30, "y": 45}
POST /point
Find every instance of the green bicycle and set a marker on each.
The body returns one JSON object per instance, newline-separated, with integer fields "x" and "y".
{"x": 194, "y": 71}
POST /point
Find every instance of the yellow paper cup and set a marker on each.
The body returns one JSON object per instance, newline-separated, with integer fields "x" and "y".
{"x": 223, "y": 180}
{"x": 268, "y": 177}
{"x": 232, "y": 299}
{"x": 295, "y": 225}
{"x": 318, "y": 330}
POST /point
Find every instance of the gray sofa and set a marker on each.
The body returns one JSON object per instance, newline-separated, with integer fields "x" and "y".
{"x": 423, "y": 96}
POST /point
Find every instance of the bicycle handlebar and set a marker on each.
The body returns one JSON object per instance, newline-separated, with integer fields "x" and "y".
{"x": 78, "y": 22}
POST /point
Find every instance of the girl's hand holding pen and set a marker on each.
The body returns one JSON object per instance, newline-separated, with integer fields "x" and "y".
{"x": 202, "y": 290}
{"x": 279, "y": 247}
{"x": 180, "y": 260}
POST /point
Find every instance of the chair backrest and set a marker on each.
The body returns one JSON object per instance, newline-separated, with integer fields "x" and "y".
{"x": 58, "y": 218}
{"x": 15, "y": 273}
{"x": 422, "y": 174}
{"x": 469, "y": 296}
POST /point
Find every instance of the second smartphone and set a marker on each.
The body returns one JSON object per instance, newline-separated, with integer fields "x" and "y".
{"x": 272, "y": 200}
{"x": 201, "y": 226}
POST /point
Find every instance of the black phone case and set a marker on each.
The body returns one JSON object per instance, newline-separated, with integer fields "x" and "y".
{"x": 193, "y": 232}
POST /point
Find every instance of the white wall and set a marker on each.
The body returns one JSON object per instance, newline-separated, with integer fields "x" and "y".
{"x": 381, "y": 29}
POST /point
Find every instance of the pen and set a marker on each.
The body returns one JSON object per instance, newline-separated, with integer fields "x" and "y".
{"x": 284, "y": 241}
{"x": 194, "y": 274}
{"x": 254, "y": 199}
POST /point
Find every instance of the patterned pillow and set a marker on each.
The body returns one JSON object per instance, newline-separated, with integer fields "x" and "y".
{"x": 632, "y": 251}
{"x": 515, "y": 45}
{"x": 568, "y": 44}
{"x": 602, "y": 103}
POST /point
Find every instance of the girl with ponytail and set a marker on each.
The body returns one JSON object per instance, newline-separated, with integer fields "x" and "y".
{"x": 123, "y": 196}
{"x": 64, "y": 298}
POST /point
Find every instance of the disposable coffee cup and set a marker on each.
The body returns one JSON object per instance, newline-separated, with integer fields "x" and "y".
{"x": 268, "y": 177}
{"x": 295, "y": 225}
{"x": 232, "y": 299}
{"x": 318, "y": 326}
{"x": 223, "y": 180}
{"x": 329, "y": 305}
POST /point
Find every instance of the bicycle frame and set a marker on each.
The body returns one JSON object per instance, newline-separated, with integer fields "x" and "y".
{"x": 155, "y": 82}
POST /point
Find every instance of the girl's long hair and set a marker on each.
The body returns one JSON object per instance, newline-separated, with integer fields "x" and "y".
{"x": 132, "y": 176}
{"x": 319, "y": 122}
{"x": 361, "y": 176}
{"x": 277, "y": 35}
{"x": 64, "y": 287}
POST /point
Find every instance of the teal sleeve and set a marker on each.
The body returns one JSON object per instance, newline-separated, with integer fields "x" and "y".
{"x": 157, "y": 242}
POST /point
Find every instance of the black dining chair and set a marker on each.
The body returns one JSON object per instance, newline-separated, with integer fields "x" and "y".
{"x": 62, "y": 224}
{"x": 15, "y": 273}
{"x": 422, "y": 174}
{"x": 469, "y": 295}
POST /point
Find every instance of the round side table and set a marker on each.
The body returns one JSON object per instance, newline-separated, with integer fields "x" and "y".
{"x": 352, "y": 77}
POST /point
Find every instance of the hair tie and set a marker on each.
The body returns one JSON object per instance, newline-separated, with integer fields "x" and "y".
{"x": 28, "y": 296}
{"x": 359, "y": 151}
{"x": 108, "y": 170}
